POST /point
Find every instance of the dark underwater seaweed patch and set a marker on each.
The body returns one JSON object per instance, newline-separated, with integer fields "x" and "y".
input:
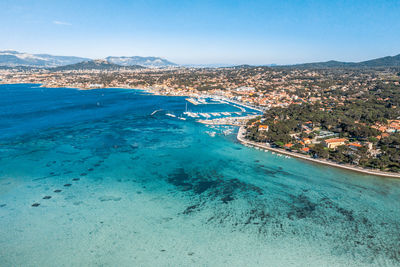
{"x": 258, "y": 216}
{"x": 109, "y": 198}
{"x": 302, "y": 207}
{"x": 190, "y": 209}
{"x": 347, "y": 214}
{"x": 180, "y": 179}
{"x": 211, "y": 185}
{"x": 350, "y": 234}
{"x": 203, "y": 185}
{"x": 272, "y": 171}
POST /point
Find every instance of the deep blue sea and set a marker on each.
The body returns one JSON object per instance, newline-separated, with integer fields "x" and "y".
{"x": 113, "y": 185}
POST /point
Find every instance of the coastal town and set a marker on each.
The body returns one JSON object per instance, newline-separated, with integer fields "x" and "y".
{"x": 347, "y": 116}
{"x": 200, "y": 133}
{"x": 260, "y": 86}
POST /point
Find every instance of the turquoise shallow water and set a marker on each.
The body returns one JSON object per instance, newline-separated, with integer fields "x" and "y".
{"x": 141, "y": 190}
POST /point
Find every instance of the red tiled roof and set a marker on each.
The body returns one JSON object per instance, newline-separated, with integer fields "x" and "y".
{"x": 335, "y": 140}
{"x": 355, "y": 144}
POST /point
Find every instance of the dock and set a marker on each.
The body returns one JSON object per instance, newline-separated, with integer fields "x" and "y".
{"x": 232, "y": 121}
{"x": 193, "y": 101}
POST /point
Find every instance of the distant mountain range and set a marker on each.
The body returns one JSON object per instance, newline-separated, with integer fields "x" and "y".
{"x": 389, "y": 61}
{"x": 99, "y": 64}
{"x": 142, "y": 61}
{"x": 11, "y": 58}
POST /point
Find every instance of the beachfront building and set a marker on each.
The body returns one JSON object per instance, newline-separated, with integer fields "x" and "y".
{"x": 333, "y": 143}
{"x": 263, "y": 128}
{"x": 288, "y": 146}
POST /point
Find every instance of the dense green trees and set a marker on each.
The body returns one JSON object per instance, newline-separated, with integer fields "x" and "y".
{"x": 351, "y": 119}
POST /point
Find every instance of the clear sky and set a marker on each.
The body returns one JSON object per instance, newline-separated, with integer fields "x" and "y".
{"x": 205, "y": 32}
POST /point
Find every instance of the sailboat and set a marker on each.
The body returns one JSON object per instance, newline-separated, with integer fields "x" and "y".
{"x": 181, "y": 117}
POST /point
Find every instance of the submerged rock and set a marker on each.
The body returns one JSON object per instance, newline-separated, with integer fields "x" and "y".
{"x": 190, "y": 209}
{"x": 109, "y": 198}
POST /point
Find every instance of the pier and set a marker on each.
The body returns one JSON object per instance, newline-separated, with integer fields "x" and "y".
{"x": 233, "y": 121}
{"x": 155, "y": 111}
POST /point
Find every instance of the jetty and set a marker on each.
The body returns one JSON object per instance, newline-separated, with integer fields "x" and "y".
{"x": 233, "y": 121}
{"x": 155, "y": 111}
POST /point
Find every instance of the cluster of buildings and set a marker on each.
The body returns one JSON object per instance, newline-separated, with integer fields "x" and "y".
{"x": 392, "y": 126}
{"x": 257, "y": 86}
{"x": 328, "y": 139}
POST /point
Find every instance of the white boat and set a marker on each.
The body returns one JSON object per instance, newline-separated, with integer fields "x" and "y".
{"x": 227, "y": 132}
{"x": 193, "y": 115}
{"x": 171, "y": 115}
{"x": 212, "y": 134}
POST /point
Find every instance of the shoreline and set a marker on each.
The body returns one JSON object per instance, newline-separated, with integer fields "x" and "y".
{"x": 152, "y": 91}
{"x": 242, "y": 140}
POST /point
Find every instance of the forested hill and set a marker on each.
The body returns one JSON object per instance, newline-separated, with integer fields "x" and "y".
{"x": 95, "y": 65}
{"x": 389, "y": 61}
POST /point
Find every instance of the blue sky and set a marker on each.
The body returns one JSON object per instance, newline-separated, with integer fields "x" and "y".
{"x": 205, "y": 32}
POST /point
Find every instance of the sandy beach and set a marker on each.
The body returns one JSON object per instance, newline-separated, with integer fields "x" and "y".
{"x": 240, "y": 137}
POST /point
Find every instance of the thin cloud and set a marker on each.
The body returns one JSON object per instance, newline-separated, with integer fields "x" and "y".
{"x": 61, "y": 23}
